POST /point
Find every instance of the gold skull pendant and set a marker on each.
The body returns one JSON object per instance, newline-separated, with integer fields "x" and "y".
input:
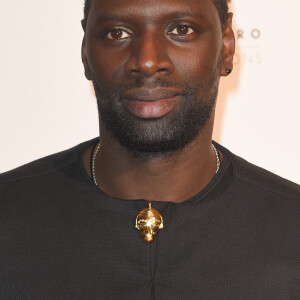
{"x": 148, "y": 222}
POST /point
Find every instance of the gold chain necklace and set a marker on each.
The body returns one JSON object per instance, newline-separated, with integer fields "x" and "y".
{"x": 149, "y": 220}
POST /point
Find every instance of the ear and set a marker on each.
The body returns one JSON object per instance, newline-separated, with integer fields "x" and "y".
{"x": 83, "y": 54}
{"x": 228, "y": 47}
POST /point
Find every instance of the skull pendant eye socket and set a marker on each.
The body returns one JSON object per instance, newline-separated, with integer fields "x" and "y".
{"x": 142, "y": 225}
{"x": 148, "y": 222}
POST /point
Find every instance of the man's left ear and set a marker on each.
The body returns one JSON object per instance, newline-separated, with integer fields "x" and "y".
{"x": 228, "y": 48}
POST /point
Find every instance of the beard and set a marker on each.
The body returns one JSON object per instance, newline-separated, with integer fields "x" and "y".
{"x": 163, "y": 136}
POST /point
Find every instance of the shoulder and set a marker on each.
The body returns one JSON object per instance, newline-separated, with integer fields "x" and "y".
{"x": 261, "y": 179}
{"x": 45, "y": 165}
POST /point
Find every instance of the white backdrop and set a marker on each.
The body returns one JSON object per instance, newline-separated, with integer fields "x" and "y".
{"x": 46, "y": 105}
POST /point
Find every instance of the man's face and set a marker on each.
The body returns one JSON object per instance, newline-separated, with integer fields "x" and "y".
{"x": 155, "y": 66}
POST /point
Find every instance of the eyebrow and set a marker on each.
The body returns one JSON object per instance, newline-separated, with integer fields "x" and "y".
{"x": 107, "y": 18}
{"x": 177, "y": 15}
{"x": 186, "y": 13}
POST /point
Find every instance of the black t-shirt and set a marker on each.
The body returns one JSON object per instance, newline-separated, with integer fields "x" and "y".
{"x": 61, "y": 237}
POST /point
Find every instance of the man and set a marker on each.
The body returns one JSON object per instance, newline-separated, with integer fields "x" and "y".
{"x": 152, "y": 210}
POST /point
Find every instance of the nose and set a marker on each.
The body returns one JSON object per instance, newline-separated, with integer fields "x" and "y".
{"x": 149, "y": 56}
{"x": 149, "y": 230}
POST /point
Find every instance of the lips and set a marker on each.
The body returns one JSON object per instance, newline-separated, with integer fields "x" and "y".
{"x": 150, "y": 103}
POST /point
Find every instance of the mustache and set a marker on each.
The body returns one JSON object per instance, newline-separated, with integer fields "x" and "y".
{"x": 153, "y": 83}
{"x": 116, "y": 91}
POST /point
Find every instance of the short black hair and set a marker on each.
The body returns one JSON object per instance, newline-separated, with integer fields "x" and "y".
{"x": 221, "y": 6}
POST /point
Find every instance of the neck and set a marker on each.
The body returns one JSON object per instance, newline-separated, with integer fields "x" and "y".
{"x": 174, "y": 178}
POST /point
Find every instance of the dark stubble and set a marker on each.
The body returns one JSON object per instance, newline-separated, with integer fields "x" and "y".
{"x": 157, "y": 137}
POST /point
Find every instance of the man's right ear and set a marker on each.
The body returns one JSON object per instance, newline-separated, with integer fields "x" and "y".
{"x": 84, "y": 60}
{"x": 83, "y": 24}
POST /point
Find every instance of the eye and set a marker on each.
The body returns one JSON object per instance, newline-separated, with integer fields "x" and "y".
{"x": 118, "y": 34}
{"x": 182, "y": 30}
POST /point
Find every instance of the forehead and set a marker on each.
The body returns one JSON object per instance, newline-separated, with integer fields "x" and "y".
{"x": 151, "y": 9}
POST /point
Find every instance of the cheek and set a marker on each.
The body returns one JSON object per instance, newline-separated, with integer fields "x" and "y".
{"x": 196, "y": 62}
{"x": 106, "y": 63}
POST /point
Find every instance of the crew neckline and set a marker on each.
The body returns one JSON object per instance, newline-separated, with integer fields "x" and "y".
{"x": 212, "y": 190}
